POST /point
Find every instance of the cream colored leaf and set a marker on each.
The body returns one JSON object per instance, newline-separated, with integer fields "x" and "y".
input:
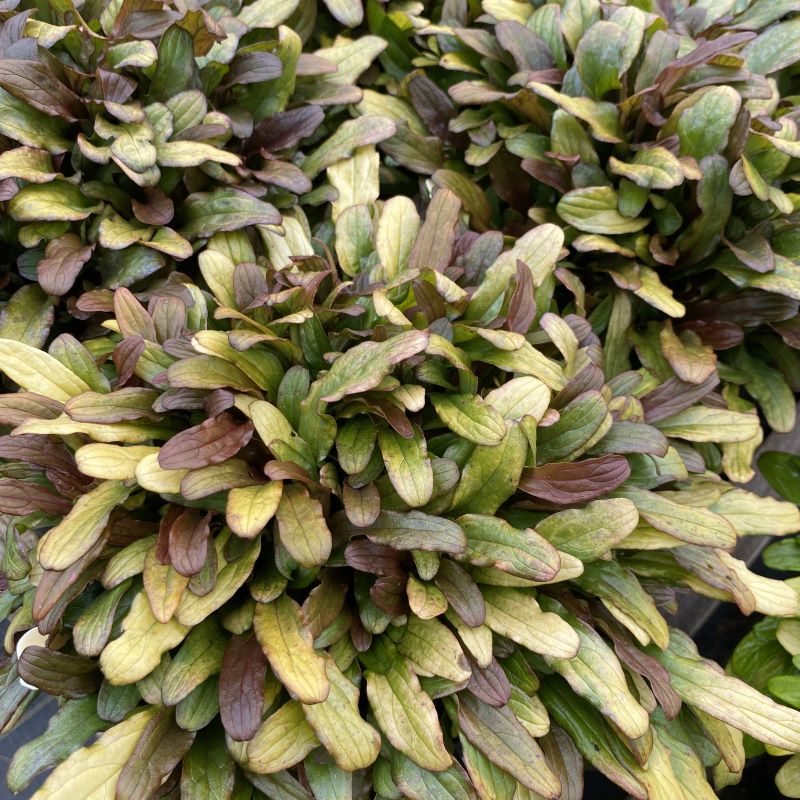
{"x": 111, "y": 462}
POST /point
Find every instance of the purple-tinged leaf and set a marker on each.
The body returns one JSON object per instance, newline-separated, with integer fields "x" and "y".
{"x": 461, "y": 591}
{"x": 58, "y": 673}
{"x": 211, "y": 442}
{"x": 489, "y": 684}
{"x": 63, "y": 260}
{"x": 19, "y": 498}
{"x": 160, "y": 748}
{"x": 241, "y": 687}
{"x": 673, "y": 396}
{"x": 188, "y": 542}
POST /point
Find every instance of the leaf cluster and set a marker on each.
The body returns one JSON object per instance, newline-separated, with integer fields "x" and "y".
{"x": 379, "y": 378}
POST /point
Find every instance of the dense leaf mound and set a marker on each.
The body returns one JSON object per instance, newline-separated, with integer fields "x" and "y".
{"x": 376, "y": 374}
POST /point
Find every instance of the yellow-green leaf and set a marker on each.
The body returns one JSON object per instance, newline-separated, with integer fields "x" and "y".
{"x": 302, "y": 528}
{"x": 406, "y": 714}
{"x": 250, "y": 508}
{"x": 284, "y": 739}
{"x": 287, "y": 644}
{"x": 515, "y": 614}
{"x": 471, "y": 417}
{"x": 91, "y": 773}
{"x": 137, "y": 652}
{"x": 64, "y": 544}
{"x": 407, "y": 465}
{"x": 36, "y": 371}
{"x": 337, "y": 721}
{"x": 54, "y": 201}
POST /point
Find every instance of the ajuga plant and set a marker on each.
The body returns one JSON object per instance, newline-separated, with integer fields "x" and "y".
{"x": 769, "y": 655}
{"x": 288, "y": 533}
{"x": 663, "y": 139}
{"x": 354, "y": 452}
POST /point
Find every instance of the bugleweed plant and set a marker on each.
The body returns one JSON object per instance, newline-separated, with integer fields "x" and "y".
{"x": 768, "y": 657}
{"x": 382, "y": 371}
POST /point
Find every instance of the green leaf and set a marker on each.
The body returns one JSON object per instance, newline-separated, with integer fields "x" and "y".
{"x": 602, "y": 117}
{"x": 469, "y": 416}
{"x": 407, "y": 465}
{"x": 411, "y": 530}
{"x": 420, "y": 784}
{"x": 592, "y": 531}
{"x": 594, "y": 210}
{"x": 704, "y": 126}
{"x": 693, "y": 525}
{"x": 175, "y": 67}
{"x": 782, "y": 470}
{"x": 26, "y": 125}
{"x": 774, "y": 49}
{"x": 703, "y": 684}
{"x": 208, "y": 770}
{"x": 93, "y": 628}
{"x": 205, "y": 214}
{"x": 27, "y": 316}
{"x": 596, "y": 674}
{"x": 596, "y": 740}
{"x": 600, "y": 57}
{"x": 502, "y": 738}
{"x": 623, "y": 595}
{"x": 199, "y": 657}
{"x": 75, "y": 722}
{"x": 582, "y": 422}
{"x": 787, "y": 779}
{"x": 491, "y": 474}
{"x": 493, "y": 542}
{"x": 355, "y": 442}
{"x": 364, "y": 366}
{"x": 347, "y": 138}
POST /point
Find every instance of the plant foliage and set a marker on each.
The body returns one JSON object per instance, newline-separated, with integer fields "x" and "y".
{"x": 767, "y": 657}
{"x": 382, "y": 371}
